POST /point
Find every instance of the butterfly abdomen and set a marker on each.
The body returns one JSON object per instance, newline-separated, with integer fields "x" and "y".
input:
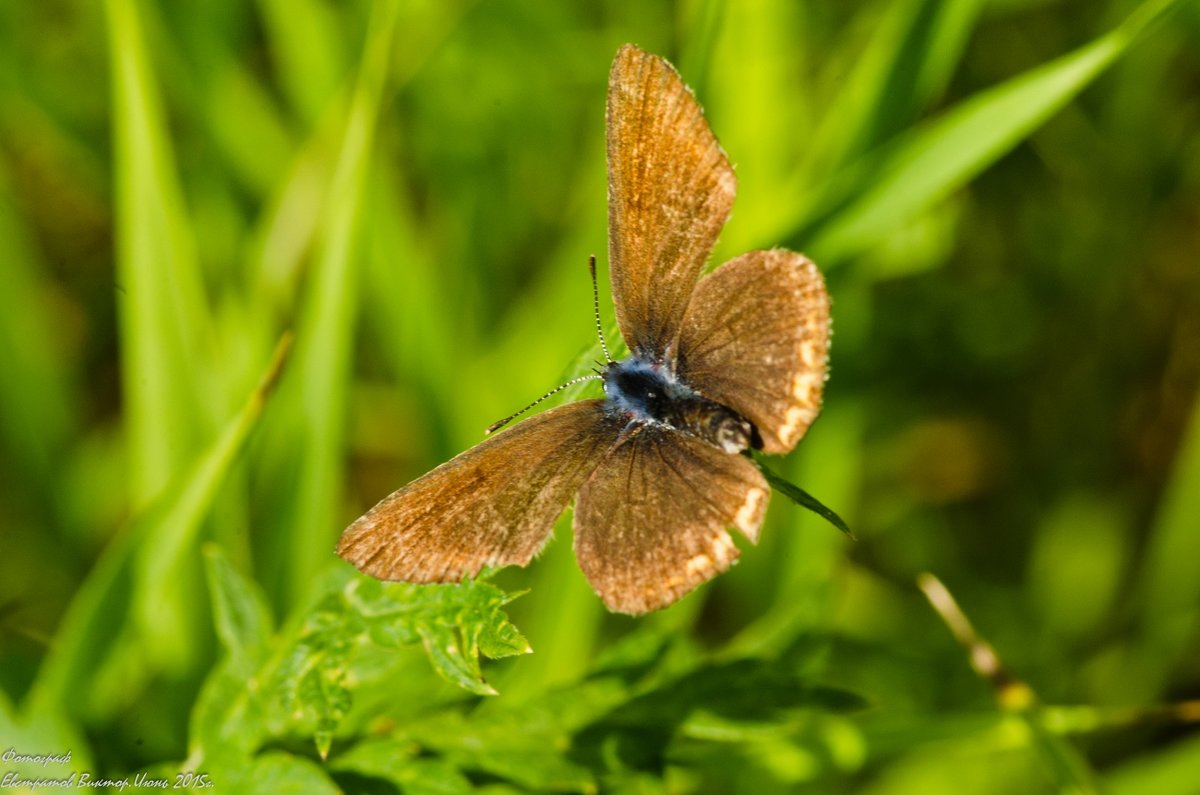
{"x": 644, "y": 391}
{"x": 714, "y": 423}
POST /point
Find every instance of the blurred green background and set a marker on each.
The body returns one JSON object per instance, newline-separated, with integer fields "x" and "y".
{"x": 1004, "y": 197}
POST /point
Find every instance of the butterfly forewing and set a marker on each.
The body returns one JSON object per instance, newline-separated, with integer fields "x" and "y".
{"x": 756, "y": 339}
{"x": 670, "y": 189}
{"x": 493, "y": 505}
{"x": 650, "y": 523}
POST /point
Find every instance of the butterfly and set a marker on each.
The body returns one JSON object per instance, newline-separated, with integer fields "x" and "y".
{"x": 659, "y": 467}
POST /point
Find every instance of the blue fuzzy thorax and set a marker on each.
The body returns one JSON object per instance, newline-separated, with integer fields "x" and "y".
{"x": 642, "y": 392}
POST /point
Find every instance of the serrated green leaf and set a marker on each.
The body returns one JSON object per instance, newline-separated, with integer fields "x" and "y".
{"x": 312, "y": 679}
{"x": 497, "y": 639}
{"x": 456, "y": 623}
{"x": 446, "y": 652}
{"x": 311, "y": 683}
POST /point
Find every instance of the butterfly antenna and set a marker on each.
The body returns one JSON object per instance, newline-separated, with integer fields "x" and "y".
{"x": 596, "y": 308}
{"x": 598, "y": 374}
{"x": 495, "y": 426}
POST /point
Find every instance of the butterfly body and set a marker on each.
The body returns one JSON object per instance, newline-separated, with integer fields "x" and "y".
{"x": 721, "y": 363}
{"x": 642, "y": 391}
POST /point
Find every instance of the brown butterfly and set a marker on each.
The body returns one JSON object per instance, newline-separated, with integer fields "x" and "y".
{"x": 718, "y": 365}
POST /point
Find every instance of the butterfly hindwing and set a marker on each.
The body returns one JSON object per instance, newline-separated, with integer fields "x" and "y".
{"x": 493, "y": 505}
{"x": 756, "y": 339}
{"x": 670, "y": 190}
{"x": 650, "y": 523}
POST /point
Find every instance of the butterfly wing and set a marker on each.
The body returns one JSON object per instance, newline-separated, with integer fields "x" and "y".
{"x": 756, "y": 339}
{"x": 650, "y": 523}
{"x": 493, "y": 505}
{"x": 670, "y": 190}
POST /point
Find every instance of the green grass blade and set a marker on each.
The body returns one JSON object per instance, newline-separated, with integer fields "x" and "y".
{"x": 318, "y": 389}
{"x": 37, "y": 411}
{"x": 284, "y": 232}
{"x": 762, "y": 110}
{"x": 161, "y": 563}
{"x": 165, "y": 327}
{"x": 912, "y": 52}
{"x": 111, "y": 599}
{"x": 941, "y": 156}
{"x": 247, "y": 125}
{"x": 796, "y": 560}
{"x": 1067, "y": 765}
{"x": 305, "y": 55}
{"x": 1168, "y": 585}
{"x": 803, "y": 498}
{"x": 402, "y": 294}
{"x": 1173, "y": 770}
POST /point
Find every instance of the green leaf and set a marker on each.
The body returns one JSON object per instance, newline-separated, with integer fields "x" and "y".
{"x": 749, "y": 693}
{"x": 275, "y": 772}
{"x": 41, "y": 732}
{"x": 525, "y": 743}
{"x": 229, "y": 711}
{"x": 393, "y": 760}
{"x": 240, "y": 611}
{"x": 229, "y": 715}
{"x": 802, "y": 498}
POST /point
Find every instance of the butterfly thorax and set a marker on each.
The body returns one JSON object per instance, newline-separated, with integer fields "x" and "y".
{"x": 642, "y": 391}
